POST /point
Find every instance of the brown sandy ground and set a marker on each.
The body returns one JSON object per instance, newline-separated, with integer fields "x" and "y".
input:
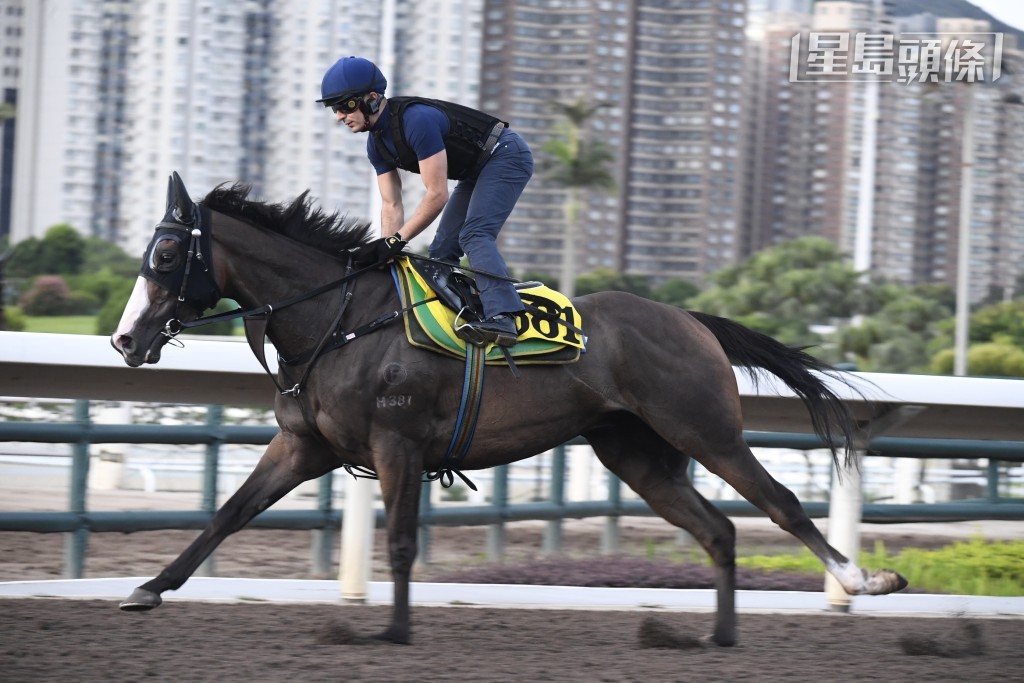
{"x": 68, "y": 640}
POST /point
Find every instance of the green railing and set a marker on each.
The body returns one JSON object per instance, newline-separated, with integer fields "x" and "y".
{"x": 78, "y": 522}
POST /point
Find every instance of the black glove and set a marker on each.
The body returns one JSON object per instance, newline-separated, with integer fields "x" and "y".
{"x": 378, "y": 251}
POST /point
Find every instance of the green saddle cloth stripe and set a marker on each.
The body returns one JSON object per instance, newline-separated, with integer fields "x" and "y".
{"x": 541, "y": 340}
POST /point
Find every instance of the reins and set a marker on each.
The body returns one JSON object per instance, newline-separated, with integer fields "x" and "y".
{"x": 256, "y": 320}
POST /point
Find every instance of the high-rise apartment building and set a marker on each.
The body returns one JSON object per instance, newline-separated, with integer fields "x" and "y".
{"x": 11, "y": 28}
{"x": 185, "y": 87}
{"x": 669, "y": 77}
{"x": 306, "y": 148}
{"x": 54, "y": 173}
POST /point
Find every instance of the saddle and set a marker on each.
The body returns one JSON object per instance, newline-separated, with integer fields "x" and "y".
{"x": 549, "y": 330}
{"x": 454, "y": 288}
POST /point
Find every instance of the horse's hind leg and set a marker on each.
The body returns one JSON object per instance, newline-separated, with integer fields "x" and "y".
{"x": 279, "y": 471}
{"x": 657, "y": 472}
{"x": 734, "y": 463}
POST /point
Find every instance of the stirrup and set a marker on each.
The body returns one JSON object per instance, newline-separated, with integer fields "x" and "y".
{"x": 464, "y": 331}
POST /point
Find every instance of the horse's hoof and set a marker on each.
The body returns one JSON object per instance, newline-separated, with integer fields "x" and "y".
{"x": 721, "y": 640}
{"x": 141, "y": 600}
{"x": 885, "y": 581}
{"x": 392, "y": 635}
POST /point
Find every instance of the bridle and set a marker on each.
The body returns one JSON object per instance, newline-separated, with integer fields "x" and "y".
{"x": 194, "y": 279}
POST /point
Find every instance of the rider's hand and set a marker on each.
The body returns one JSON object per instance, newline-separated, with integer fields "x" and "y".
{"x": 378, "y": 251}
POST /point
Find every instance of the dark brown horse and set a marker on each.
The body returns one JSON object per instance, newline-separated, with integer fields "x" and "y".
{"x": 654, "y": 389}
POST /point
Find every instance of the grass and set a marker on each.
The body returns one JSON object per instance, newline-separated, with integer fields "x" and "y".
{"x": 974, "y": 567}
{"x": 62, "y": 324}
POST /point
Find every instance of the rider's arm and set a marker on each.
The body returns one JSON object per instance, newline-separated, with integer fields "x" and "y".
{"x": 434, "y": 172}
{"x": 392, "y": 212}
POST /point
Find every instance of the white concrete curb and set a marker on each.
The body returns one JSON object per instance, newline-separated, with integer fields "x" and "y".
{"x": 523, "y": 597}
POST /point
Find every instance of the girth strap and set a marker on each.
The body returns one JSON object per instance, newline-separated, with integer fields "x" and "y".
{"x": 465, "y": 423}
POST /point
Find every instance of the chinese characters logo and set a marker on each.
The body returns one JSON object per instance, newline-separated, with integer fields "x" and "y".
{"x": 839, "y": 56}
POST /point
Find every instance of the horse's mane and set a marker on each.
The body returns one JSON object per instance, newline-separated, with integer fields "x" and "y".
{"x": 300, "y": 220}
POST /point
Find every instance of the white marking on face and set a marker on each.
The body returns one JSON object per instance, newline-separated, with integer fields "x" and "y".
{"x": 137, "y": 304}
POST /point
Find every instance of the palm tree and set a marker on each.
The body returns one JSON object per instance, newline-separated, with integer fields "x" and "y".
{"x": 576, "y": 164}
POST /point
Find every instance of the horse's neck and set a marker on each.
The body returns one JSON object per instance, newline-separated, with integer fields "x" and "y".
{"x": 267, "y": 269}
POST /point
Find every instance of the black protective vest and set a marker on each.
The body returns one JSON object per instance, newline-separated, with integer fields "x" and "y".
{"x": 468, "y": 143}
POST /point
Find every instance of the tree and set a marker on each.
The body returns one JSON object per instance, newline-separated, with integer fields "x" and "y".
{"x": 63, "y": 250}
{"x": 1004, "y": 318}
{"x": 785, "y": 290}
{"x": 576, "y": 164}
{"x": 899, "y": 329}
{"x": 676, "y": 292}
{"x": 26, "y": 259}
{"x": 99, "y": 254}
{"x": 60, "y": 252}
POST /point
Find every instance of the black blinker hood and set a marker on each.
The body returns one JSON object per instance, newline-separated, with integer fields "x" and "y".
{"x": 193, "y": 282}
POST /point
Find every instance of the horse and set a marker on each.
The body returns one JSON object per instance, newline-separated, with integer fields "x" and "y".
{"x": 654, "y": 389}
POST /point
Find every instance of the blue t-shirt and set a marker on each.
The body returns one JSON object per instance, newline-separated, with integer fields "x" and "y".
{"x": 425, "y": 128}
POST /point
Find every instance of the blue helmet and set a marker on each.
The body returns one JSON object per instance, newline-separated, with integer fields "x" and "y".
{"x": 351, "y": 76}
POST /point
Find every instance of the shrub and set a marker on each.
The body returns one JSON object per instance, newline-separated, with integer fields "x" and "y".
{"x": 48, "y": 295}
{"x": 14, "y": 319}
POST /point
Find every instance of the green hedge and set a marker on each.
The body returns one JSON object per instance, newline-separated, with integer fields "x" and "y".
{"x": 974, "y": 567}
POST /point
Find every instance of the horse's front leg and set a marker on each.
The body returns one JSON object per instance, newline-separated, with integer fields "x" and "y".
{"x": 287, "y": 462}
{"x": 400, "y": 481}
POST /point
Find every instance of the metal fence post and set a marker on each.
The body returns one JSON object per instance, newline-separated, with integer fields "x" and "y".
{"x": 75, "y": 542}
{"x": 211, "y": 476}
{"x": 553, "y": 529}
{"x": 993, "y": 481}
{"x": 499, "y": 499}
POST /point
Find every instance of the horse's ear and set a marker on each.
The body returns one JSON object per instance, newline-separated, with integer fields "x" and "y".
{"x": 170, "y": 193}
{"x": 184, "y": 207}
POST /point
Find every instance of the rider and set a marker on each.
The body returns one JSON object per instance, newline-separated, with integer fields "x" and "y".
{"x": 439, "y": 140}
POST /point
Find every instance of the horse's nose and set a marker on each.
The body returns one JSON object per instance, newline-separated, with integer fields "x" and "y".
{"x": 123, "y": 343}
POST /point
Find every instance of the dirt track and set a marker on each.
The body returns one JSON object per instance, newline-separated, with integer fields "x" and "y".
{"x": 54, "y": 640}
{"x": 65, "y": 640}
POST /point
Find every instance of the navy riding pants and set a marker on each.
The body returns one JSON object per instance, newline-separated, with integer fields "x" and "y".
{"x": 476, "y": 210}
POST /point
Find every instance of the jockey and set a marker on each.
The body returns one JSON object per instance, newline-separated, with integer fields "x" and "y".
{"x": 440, "y": 141}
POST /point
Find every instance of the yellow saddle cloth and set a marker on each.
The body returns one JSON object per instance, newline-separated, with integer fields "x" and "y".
{"x": 541, "y": 339}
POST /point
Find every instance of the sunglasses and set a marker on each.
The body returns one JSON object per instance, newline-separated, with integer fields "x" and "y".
{"x": 347, "y": 106}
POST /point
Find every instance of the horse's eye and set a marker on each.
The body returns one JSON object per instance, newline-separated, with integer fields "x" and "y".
{"x": 164, "y": 257}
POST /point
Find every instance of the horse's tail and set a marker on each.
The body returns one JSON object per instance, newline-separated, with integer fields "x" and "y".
{"x": 830, "y": 415}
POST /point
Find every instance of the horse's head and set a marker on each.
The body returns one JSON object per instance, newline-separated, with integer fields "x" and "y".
{"x": 176, "y": 282}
